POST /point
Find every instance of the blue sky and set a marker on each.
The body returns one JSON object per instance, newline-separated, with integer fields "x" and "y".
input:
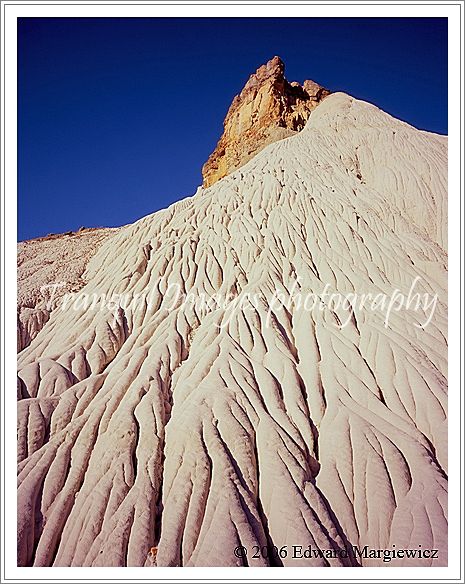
{"x": 117, "y": 116}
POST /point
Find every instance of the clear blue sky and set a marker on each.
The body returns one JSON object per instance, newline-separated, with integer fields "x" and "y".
{"x": 117, "y": 116}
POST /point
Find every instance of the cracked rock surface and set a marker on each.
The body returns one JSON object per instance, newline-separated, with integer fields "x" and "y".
{"x": 193, "y": 429}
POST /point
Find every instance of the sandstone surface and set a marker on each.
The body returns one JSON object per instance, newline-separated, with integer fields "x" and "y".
{"x": 167, "y": 432}
{"x": 268, "y": 109}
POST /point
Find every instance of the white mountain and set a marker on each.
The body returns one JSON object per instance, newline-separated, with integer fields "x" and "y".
{"x": 208, "y": 410}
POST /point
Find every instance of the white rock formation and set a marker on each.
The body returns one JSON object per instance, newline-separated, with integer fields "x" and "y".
{"x": 48, "y": 268}
{"x": 195, "y": 430}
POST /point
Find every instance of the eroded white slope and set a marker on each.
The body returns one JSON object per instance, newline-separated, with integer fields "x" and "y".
{"x": 196, "y": 431}
{"x": 48, "y": 268}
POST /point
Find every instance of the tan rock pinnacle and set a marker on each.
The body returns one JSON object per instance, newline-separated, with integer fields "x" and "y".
{"x": 268, "y": 109}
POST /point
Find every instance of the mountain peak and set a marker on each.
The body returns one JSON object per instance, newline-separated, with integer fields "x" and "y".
{"x": 269, "y": 108}
{"x": 274, "y": 69}
{"x": 249, "y": 365}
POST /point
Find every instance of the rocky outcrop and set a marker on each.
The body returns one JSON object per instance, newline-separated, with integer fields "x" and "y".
{"x": 268, "y": 109}
{"x": 182, "y": 421}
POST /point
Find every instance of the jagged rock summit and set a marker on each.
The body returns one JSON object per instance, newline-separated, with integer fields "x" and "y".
{"x": 268, "y": 109}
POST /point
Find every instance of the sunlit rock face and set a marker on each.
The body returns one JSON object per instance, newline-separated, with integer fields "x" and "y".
{"x": 169, "y": 431}
{"x": 48, "y": 268}
{"x": 268, "y": 109}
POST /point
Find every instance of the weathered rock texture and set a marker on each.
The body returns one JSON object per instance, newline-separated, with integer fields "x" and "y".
{"x": 268, "y": 109}
{"x": 194, "y": 428}
{"x": 55, "y": 259}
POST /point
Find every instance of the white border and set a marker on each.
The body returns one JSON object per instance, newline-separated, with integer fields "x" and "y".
{"x": 15, "y": 10}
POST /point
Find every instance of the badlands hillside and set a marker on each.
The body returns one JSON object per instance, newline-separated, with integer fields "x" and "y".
{"x": 164, "y": 426}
